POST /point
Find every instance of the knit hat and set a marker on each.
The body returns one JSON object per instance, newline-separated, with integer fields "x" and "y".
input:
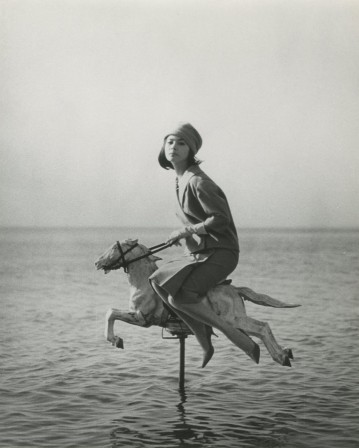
{"x": 189, "y": 134}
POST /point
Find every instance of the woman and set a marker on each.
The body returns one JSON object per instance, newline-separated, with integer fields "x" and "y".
{"x": 211, "y": 240}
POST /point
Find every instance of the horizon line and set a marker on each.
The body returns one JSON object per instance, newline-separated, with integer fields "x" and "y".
{"x": 329, "y": 228}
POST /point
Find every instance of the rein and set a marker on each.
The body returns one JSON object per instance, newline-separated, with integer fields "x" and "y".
{"x": 122, "y": 262}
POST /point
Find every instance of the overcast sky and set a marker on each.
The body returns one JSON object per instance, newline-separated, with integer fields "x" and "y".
{"x": 90, "y": 87}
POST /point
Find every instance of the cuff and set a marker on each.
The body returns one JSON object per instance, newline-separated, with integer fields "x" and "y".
{"x": 199, "y": 229}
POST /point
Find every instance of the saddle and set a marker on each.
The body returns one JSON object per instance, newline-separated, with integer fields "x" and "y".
{"x": 174, "y": 325}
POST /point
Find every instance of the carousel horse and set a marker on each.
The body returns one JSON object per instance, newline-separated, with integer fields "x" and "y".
{"x": 146, "y": 308}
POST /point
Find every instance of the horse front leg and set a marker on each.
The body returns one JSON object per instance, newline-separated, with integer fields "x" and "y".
{"x": 263, "y": 331}
{"x": 131, "y": 318}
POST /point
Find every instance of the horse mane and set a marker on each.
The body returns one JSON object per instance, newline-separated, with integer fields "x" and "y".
{"x": 150, "y": 260}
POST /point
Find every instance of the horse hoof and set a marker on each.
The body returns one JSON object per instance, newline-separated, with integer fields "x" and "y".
{"x": 286, "y": 362}
{"x": 207, "y": 357}
{"x": 119, "y": 342}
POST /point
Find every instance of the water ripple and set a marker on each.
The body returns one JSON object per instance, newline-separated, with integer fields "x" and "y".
{"x": 63, "y": 385}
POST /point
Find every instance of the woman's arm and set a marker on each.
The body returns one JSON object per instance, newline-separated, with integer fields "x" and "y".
{"x": 213, "y": 208}
{"x": 214, "y": 205}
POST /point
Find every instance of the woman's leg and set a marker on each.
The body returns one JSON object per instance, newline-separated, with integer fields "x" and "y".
{"x": 191, "y": 299}
{"x": 201, "y": 331}
{"x": 200, "y": 310}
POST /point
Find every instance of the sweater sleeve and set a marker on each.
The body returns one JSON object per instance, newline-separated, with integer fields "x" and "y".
{"x": 214, "y": 205}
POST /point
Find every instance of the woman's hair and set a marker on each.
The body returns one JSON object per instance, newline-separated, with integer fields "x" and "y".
{"x": 167, "y": 165}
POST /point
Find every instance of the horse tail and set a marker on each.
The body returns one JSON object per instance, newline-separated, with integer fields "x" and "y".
{"x": 261, "y": 299}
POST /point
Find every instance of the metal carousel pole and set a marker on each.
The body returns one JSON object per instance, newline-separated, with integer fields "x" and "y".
{"x": 180, "y": 331}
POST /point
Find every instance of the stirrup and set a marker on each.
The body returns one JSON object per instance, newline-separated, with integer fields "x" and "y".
{"x": 176, "y": 327}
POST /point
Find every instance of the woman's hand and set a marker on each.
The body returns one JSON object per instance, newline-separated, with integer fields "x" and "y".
{"x": 177, "y": 235}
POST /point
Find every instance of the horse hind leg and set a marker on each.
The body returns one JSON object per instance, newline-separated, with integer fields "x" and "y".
{"x": 263, "y": 331}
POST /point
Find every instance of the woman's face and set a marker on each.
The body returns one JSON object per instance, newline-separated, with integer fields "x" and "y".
{"x": 176, "y": 150}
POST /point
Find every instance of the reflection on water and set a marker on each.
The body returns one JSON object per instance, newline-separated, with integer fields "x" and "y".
{"x": 183, "y": 431}
{"x": 205, "y": 424}
{"x": 177, "y": 428}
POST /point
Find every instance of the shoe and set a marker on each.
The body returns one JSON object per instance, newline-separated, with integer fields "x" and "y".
{"x": 207, "y": 357}
{"x": 255, "y": 354}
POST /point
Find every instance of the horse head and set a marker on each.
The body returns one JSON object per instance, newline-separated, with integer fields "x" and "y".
{"x": 121, "y": 255}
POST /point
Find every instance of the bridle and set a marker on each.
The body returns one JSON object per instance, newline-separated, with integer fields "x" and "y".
{"x": 123, "y": 263}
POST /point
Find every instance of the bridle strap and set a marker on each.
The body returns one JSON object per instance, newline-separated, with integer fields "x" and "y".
{"x": 125, "y": 264}
{"x": 152, "y": 250}
{"x": 122, "y": 255}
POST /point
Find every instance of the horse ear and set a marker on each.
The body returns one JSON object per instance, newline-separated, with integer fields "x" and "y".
{"x": 131, "y": 241}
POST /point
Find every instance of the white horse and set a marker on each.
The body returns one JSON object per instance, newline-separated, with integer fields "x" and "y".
{"x": 146, "y": 308}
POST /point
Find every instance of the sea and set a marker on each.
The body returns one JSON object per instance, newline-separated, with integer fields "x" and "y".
{"x": 63, "y": 385}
